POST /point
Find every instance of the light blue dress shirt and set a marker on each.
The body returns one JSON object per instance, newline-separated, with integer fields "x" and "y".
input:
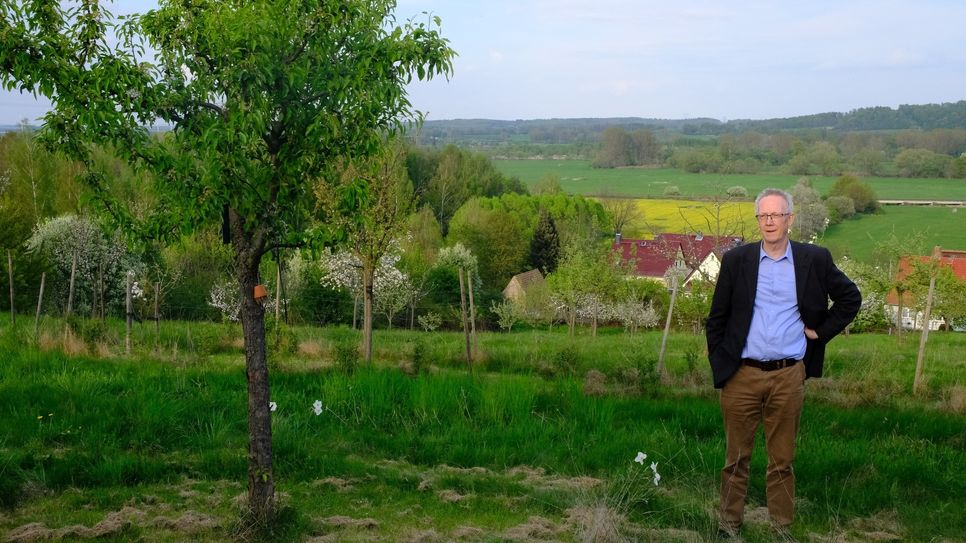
{"x": 777, "y": 330}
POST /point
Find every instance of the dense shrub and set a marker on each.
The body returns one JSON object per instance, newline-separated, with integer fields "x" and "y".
{"x": 839, "y": 208}
{"x": 861, "y": 193}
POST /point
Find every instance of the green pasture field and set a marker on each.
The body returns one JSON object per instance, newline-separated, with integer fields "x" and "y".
{"x": 578, "y": 177}
{"x": 535, "y": 443}
{"x": 859, "y": 236}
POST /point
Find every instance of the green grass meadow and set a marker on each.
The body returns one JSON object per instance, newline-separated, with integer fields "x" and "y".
{"x": 536, "y": 443}
{"x": 858, "y": 237}
{"x": 578, "y": 177}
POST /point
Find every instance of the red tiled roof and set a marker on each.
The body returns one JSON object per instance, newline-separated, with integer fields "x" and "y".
{"x": 948, "y": 257}
{"x": 653, "y": 258}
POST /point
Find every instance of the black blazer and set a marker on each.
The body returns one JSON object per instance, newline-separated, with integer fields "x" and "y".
{"x": 817, "y": 281}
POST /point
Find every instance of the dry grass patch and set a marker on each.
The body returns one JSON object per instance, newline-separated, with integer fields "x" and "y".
{"x": 115, "y": 524}
{"x": 534, "y": 529}
{"x": 537, "y": 477}
{"x": 340, "y": 485}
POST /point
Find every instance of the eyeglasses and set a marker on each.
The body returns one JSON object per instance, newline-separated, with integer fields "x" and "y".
{"x": 765, "y": 217}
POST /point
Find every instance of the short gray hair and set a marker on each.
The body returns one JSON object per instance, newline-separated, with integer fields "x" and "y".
{"x": 789, "y": 205}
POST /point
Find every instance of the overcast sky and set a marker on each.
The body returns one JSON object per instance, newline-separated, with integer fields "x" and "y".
{"x": 530, "y": 59}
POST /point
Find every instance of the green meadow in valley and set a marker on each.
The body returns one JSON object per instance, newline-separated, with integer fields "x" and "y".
{"x": 577, "y": 176}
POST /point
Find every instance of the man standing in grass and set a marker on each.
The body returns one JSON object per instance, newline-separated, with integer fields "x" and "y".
{"x": 769, "y": 322}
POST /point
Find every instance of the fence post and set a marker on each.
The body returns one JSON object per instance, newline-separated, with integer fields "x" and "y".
{"x": 40, "y": 300}
{"x": 667, "y": 325}
{"x": 70, "y": 290}
{"x": 469, "y": 287}
{"x": 130, "y": 312}
{"x": 917, "y": 382}
{"x": 13, "y": 312}
{"x": 157, "y": 319}
{"x": 278, "y": 290}
{"x": 466, "y": 327}
{"x": 70, "y": 298}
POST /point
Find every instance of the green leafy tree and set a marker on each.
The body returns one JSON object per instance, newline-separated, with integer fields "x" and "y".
{"x": 922, "y": 163}
{"x": 495, "y": 236}
{"x": 262, "y": 97}
{"x": 368, "y": 201}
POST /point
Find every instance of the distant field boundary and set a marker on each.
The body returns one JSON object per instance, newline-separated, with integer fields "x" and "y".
{"x": 946, "y": 203}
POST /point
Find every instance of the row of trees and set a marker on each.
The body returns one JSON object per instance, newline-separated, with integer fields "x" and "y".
{"x": 936, "y": 153}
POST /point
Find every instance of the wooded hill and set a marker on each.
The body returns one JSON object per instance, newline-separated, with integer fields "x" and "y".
{"x": 479, "y": 131}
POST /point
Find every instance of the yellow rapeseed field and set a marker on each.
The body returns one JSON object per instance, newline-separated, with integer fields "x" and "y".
{"x": 690, "y": 216}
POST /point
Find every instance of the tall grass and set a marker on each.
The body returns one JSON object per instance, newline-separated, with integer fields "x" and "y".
{"x": 113, "y": 429}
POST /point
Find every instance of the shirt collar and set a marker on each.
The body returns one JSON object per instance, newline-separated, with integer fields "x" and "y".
{"x": 788, "y": 252}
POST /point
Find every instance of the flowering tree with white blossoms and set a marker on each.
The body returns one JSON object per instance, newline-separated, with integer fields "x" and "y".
{"x": 391, "y": 288}
{"x": 395, "y": 292}
{"x": 225, "y": 298}
{"x": 63, "y": 239}
{"x": 634, "y": 314}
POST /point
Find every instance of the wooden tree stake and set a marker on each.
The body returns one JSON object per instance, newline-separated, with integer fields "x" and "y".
{"x": 40, "y": 300}
{"x": 13, "y": 311}
{"x": 130, "y": 314}
{"x": 667, "y": 325}
{"x": 469, "y": 287}
{"x": 466, "y": 328}
{"x": 917, "y": 382}
{"x": 157, "y": 319}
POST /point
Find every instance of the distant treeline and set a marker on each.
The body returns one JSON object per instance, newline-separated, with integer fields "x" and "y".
{"x": 576, "y": 131}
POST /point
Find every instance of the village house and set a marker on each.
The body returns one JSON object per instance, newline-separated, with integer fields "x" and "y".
{"x": 688, "y": 256}
{"x": 912, "y": 316}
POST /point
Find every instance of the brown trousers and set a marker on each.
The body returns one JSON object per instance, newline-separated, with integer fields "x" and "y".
{"x": 752, "y": 397}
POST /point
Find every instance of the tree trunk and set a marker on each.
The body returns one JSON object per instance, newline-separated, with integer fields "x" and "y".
{"x": 261, "y": 482}
{"x": 261, "y": 479}
{"x": 368, "y": 278}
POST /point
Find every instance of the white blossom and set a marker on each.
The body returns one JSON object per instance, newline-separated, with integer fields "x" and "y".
{"x": 186, "y": 72}
{"x": 640, "y": 458}
{"x": 317, "y": 407}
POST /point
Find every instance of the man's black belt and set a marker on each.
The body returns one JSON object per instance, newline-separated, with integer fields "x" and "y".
{"x": 770, "y": 365}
